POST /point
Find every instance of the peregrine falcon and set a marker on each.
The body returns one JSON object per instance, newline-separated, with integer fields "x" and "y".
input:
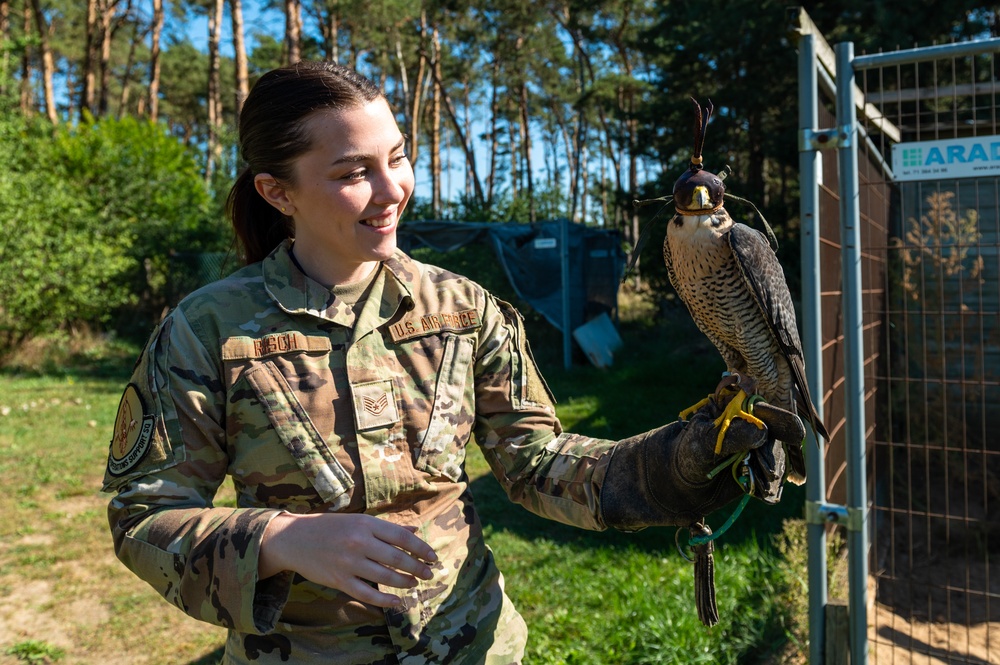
{"x": 732, "y": 283}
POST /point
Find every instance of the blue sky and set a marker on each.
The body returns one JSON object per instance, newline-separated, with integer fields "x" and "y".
{"x": 258, "y": 20}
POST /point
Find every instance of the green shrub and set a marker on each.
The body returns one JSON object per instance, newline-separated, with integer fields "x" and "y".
{"x": 91, "y": 213}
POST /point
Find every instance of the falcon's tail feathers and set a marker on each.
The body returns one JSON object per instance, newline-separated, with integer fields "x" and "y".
{"x": 812, "y": 417}
{"x": 796, "y": 463}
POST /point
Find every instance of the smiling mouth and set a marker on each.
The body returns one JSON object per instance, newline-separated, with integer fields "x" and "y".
{"x": 381, "y": 221}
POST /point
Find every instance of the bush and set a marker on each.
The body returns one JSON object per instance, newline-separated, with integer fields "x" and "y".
{"x": 92, "y": 212}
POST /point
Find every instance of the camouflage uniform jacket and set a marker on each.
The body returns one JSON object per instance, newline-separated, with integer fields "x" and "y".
{"x": 255, "y": 376}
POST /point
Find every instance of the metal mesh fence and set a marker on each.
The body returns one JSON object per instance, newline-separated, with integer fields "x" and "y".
{"x": 932, "y": 322}
{"x": 873, "y": 194}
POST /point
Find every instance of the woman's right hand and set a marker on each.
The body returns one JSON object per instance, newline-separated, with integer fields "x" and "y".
{"x": 346, "y": 552}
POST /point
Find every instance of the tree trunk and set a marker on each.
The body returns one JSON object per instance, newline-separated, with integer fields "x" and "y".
{"x": 404, "y": 80}
{"x": 526, "y": 147}
{"x": 329, "y": 28}
{"x": 579, "y": 142}
{"x": 415, "y": 101}
{"x": 126, "y": 81}
{"x": 27, "y": 94}
{"x": 550, "y": 143}
{"x": 456, "y": 123}
{"x": 154, "y": 61}
{"x": 436, "y": 126}
{"x": 568, "y": 143}
{"x": 466, "y": 89}
{"x": 515, "y": 153}
{"x": 106, "y": 13}
{"x": 293, "y": 31}
{"x": 90, "y": 59}
{"x": 494, "y": 132}
{"x": 213, "y": 149}
{"x": 4, "y": 39}
{"x": 48, "y": 66}
{"x": 240, "y": 51}
{"x": 604, "y": 191}
{"x": 333, "y": 52}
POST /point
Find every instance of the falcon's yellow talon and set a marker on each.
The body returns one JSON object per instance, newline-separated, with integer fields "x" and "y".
{"x": 734, "y": 410}
{"x": 691, "y": 409}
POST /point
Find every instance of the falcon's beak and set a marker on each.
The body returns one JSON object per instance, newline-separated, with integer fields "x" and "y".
{"x": 700, "y": 198}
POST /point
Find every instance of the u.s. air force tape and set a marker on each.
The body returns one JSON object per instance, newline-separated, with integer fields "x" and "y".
{"x": 133, "y": 433}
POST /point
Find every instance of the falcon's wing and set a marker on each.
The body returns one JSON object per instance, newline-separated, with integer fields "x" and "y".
{"x": 667, "y": 258}
{"x": 765, "y": 281}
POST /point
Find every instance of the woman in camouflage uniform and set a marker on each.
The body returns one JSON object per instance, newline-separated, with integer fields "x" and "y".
{"x": 339, "y": 382}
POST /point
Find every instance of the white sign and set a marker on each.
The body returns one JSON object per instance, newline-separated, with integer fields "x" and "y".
{"x": 977, "y": 157}
{"x": 545, "y": 243}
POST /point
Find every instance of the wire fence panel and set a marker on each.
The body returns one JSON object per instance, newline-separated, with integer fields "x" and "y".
{"x": 873, "y": 194}
{"x": 934, "y": 455}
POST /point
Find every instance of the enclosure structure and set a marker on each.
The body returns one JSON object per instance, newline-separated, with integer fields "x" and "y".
{"x": 901, "y": 314}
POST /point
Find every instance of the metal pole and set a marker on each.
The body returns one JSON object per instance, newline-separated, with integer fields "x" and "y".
{"x": 564, "y": 270}
{"x": 926, "y": 53}
{"x": 810, "y": 167}
{"x": 854, "y": 384}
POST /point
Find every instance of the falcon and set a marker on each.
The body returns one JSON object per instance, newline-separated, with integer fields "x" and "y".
{"x": 731, "y": 281}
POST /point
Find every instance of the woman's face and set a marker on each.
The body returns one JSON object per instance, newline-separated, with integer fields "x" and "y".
{"x": 349, "y": 192}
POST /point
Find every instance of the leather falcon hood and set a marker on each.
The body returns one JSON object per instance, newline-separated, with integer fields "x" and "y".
{"x": 699, "y": 191}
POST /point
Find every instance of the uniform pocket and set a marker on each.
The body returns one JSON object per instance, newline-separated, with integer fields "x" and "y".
{"x": 299, "y": 435}
{"x": 442, "y": 448}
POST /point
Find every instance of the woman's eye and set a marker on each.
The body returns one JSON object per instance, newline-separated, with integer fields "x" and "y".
{"x": 356, "y": 175}
{"x": 398, "y": 159}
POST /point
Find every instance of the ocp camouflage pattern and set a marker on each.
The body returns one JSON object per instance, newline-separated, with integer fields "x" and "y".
{"x": 266, "y": 376}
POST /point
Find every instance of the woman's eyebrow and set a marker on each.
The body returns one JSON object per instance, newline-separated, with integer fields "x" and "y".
{"x": 352, "y": 159}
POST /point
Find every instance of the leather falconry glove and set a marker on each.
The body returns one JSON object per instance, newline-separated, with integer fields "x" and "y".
{"x": 661, "y": 478}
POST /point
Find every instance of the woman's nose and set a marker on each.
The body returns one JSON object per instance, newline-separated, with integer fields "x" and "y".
{"x": 391, "y": 185}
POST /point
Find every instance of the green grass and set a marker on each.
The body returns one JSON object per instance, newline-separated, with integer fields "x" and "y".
{"x": 629, "y": 598}
{"x": 594, "y": 598}
{"x": 35, "y": 651}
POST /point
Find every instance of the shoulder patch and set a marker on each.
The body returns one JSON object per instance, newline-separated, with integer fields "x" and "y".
{"x": 133, "y": 433}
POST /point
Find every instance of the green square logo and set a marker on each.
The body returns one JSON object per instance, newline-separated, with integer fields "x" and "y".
{"x": 913, "y": 157}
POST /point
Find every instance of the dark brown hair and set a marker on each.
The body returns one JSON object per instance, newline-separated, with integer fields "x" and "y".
{"x": 272, "y": 134}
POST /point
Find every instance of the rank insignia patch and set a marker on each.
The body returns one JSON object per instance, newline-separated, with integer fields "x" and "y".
{"x": 133, "y": 433}
{"x": 374, "y": 404}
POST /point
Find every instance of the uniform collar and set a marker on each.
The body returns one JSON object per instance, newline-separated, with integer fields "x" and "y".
{"x": 296, "y": 293}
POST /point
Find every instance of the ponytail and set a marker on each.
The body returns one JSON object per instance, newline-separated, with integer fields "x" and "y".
{"x": 258, "y": 225}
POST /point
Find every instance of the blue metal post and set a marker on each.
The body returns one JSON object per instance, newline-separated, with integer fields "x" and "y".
{"x": 810, "y": 165}
{"x": 854, "y": 380}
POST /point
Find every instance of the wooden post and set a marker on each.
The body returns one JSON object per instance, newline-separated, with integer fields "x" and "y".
{"x": 838, "y": 651}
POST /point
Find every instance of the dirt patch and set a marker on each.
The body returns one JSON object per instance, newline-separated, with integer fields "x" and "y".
{"x": 928, "y": 619}
{"x": 896, "y": 640}
{"x": 86, "y": 627}
{"x": 23, "y": 615}
{"x": 93, "y": 609}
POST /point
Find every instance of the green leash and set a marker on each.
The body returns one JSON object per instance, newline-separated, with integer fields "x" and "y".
{"x": 702, "y": 540}
{"x": 745, "y": 481}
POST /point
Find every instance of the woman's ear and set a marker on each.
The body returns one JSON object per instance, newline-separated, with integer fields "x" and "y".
{"x": 273, "y": 192}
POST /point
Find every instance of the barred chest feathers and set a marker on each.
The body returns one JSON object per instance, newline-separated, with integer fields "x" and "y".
{"x": 707, "y": 277}
{"x": 702, "y": 264}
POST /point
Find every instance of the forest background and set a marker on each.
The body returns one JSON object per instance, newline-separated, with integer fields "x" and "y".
{"x": 117, "y": 120}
